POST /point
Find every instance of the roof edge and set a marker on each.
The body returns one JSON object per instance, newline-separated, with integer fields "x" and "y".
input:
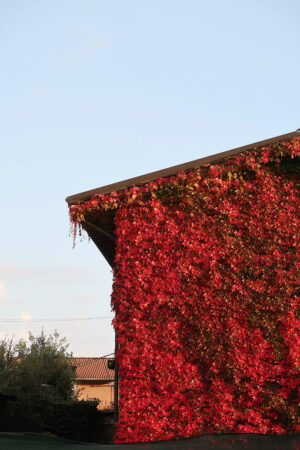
{"x": 94, "y": 379}
{"x": 142, "y": 179}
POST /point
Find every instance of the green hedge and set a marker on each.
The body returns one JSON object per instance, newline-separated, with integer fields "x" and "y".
{"x": 74, "y": 420}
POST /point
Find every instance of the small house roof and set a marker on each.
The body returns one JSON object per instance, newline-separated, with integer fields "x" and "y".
{"x": 92, "y": 369}
{"x": 102, "y": 231}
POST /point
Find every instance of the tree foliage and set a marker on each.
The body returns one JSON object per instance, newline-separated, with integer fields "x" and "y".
{"x": 7, "y": 360}
{"x": 38, "y": 369}
{"x": 37, "y": 379}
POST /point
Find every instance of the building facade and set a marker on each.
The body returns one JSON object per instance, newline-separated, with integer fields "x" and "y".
{"x": 95, "y": 381}
{"x": 205, "y": 291}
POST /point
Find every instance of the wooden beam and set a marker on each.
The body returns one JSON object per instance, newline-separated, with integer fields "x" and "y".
{"x": 116, "y": 386}
{"x": 175, "y": 169}
{"x": 104, "y": 244}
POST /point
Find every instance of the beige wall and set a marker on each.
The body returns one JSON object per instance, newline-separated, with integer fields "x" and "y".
{"x": 91, "y": 390}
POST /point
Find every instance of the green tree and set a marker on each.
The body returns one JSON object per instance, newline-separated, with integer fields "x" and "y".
{"x": 7, "y": 364}
{"x": 39, "y": 374}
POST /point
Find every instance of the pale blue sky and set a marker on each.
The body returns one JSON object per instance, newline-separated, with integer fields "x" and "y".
{"x": 95, "y": 91}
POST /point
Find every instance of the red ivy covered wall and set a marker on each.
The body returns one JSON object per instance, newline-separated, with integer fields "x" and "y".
{"x": 204, "y": 292}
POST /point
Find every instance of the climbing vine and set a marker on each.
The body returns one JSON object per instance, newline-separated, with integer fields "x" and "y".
{"x": 205, "y": 295}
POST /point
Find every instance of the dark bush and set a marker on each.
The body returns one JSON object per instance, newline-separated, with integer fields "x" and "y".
{"x": 75, "y": 420}
{"x": 37, "y": 391}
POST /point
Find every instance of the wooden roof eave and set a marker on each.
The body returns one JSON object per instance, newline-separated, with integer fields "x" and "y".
{"x": 102, "y": 234}
{"x": 142, "y": 179}
{"x": 99, "y": 230}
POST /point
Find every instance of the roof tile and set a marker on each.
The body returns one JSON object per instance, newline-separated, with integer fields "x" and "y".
{"x": 93, "y": 369}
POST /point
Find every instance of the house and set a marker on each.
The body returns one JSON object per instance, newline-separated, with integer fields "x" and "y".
{"x": 205, "y": 277}
{"x": 94, "y": 380}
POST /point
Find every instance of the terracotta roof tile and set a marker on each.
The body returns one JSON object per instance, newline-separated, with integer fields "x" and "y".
{"x": 93, "y": 369}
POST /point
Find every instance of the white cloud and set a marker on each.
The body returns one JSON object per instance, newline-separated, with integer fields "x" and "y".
{"x": 77, "y": 55}
{"x": 22, "y": 331}
{"x": 2, "y": 291}
{"x": 25, "y": 316}
{"x": 84, "y": 28}
{"x": 53, "y": 274}
{"x": 97, "y": 44}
